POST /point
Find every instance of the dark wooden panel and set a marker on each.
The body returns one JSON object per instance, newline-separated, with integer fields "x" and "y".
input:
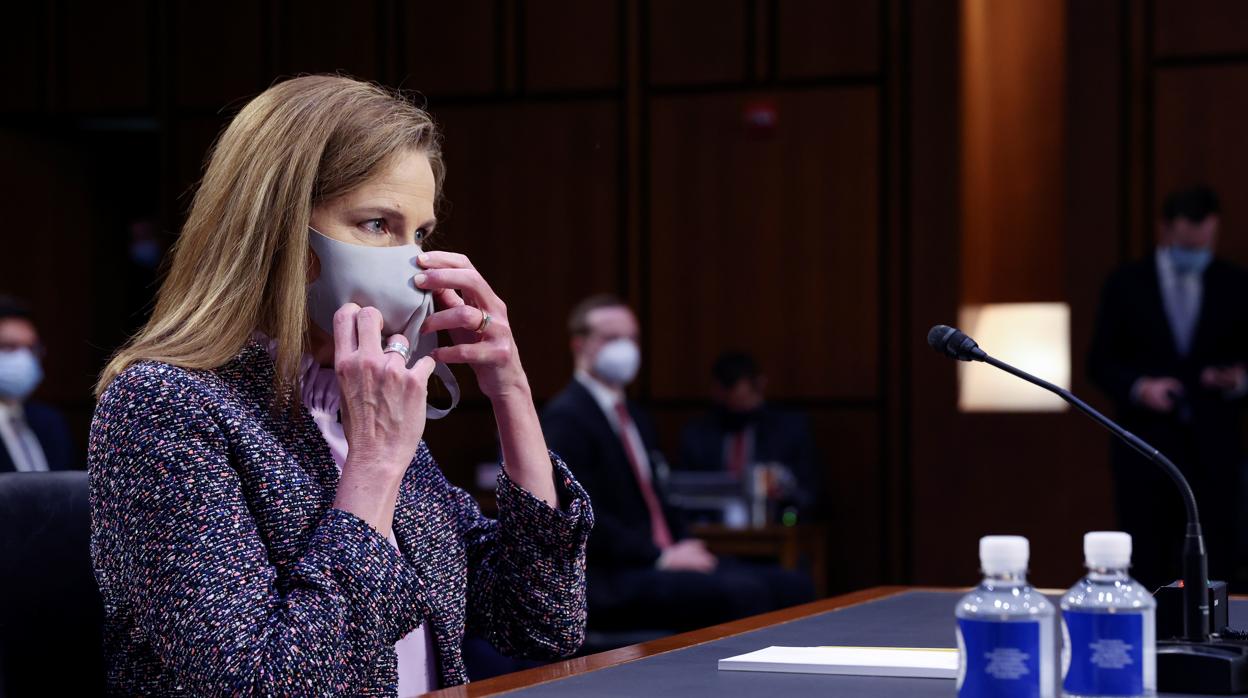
{"x": 104, "y": 55}
{"x": 1043, "y": 476}
{"x": 448, "y": 47}
{"x": 1096, "y": 232}
{"x": 218, "y": 51}
{"x": 697, "y": 41}
{"x": 849, "y": 442}
{"x": 1197, "y": 139}
{"x": 766, "y": 243}
{"x": 76, "y": 272}
{"x": 532, "y": 194}
{"x": 192, "y": 139}
{"x": 24, "y": 54}
{"x": 571, "y": 44}
{"x": 669, "y": 421}
{"x": 464, "y": 438}
{"x": 819, "y": 38}
{"x": 1195, "y": 27}
{"x": 1013, "y": 93}
{"x": 52, "y": 176}
{"x": 324, "y": 36}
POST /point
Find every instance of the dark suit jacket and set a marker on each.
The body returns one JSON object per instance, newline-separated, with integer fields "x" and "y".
{"x": 53, "y": 435}
{"x": 577, "y": 429}
{"x": 1133, "y": 339}
{"x": 779, "y": 437}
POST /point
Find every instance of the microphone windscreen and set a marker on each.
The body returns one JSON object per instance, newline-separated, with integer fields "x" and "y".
{"x": 938, "y": 338}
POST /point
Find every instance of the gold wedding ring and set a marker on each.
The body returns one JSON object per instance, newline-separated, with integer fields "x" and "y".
{"x": 485, "y": 321}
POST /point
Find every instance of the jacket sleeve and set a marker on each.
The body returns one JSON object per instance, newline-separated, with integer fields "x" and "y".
{"x": 806, "y": 464}
{"x": 613, "y": 542}
{"x": 54, "y": 438}
{"x": 526, "y": 571}
{"x": 173, "y": 540}
{"x": 1107, "y": 363}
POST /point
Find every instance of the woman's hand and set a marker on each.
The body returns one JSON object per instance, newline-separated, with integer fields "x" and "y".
{"x": 383, "y": 414}
{"x": 490, "y": 350}
{"x": 464, "y": 299}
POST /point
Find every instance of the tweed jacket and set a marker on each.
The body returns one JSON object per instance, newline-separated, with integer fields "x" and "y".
{"x": 225, "y": 570}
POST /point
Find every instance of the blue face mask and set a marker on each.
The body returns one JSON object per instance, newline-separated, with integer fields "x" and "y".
{"x": 20, "y": 374}
{"x": 1189, "y": 260}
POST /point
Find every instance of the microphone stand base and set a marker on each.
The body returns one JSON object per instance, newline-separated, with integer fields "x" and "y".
{"x": 1215, "y": 667}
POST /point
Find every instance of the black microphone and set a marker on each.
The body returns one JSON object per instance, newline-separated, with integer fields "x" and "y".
{"x": 1197, "y": 662}
{"x": 954, "y": 343}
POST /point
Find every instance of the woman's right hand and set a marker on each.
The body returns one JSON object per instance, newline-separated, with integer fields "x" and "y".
{"x": 383, "y": 414}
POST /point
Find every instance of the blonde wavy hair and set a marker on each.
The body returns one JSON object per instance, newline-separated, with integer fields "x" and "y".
{"x": 241, "y": 261}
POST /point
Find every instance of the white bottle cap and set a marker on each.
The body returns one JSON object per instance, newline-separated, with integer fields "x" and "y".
{"x": 1107, "y": 549}
{"x": 1001, "y": 554}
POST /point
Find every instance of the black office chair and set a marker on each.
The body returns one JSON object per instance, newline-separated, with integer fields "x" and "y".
{"x": 50, "y": 610}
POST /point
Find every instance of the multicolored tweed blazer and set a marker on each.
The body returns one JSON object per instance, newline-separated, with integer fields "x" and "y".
{"x": 226, "y": 571}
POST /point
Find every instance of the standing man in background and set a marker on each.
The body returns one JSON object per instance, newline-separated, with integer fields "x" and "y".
{"x": 1170, "y": 348}
{"x": 643, "y": 570}
{"x": 33, "y": 436}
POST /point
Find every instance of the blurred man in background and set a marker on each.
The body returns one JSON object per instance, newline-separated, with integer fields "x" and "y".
{"x": 33, "y": 436}
{"x": 1170, "y": 349}
{"x": 742, "y": 430}
{"x": 643, "y": 571}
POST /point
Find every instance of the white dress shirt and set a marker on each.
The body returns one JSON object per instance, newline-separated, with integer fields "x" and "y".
{"x": 19, "y": 440}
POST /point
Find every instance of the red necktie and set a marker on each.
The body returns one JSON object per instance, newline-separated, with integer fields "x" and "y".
{"x": 658, "y": 525}
{"x": 736, "y": 453}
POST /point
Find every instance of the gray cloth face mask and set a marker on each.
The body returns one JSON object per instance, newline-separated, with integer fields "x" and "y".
{"x": 380, "y": 277}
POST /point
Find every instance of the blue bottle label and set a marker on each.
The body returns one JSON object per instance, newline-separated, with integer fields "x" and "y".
{"x": 998, "y": 659}
{"x": 1106, "y": 653}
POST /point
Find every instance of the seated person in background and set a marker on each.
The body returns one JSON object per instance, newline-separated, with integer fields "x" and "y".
{"x": 742, "y": 430}
{"x": 33, "y": 436}
{"x": 643, "y": 571}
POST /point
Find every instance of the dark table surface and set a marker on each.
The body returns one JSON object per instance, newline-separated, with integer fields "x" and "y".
{"x": 909, "y": 619}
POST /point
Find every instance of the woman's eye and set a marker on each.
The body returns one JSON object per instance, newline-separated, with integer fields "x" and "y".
{"x": 376, "y": 225}
{"x": 421, "y": 234}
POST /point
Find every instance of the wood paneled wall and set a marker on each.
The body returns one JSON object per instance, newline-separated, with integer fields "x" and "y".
{"x": 1153, "y": 101}
{"x": 604, "y": 146}
{"x": 591, "y": 146}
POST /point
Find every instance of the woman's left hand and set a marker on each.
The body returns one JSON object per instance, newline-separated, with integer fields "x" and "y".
{"x": 463, "y": 301}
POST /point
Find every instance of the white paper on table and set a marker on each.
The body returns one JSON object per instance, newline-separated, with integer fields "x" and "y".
{"x": 930, "y": 663}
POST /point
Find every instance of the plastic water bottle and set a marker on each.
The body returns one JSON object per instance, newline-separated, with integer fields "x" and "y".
{"x": 1006, "y": 643}
{"x": 1109, "y": 625}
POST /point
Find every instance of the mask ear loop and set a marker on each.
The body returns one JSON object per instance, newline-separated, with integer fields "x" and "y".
{"x": 424, "y": 346}
{"x": 443, "y": 372}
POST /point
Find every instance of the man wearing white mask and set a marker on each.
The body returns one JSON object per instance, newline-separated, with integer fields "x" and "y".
{"x": 643, "y": 572}
{"x": 33, "y": 436}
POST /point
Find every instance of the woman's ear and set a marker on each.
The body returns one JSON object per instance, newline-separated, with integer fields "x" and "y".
{"x": 314, "y": 266}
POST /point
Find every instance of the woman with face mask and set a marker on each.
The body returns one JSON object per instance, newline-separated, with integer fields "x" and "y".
{"x": 266, "y": 518}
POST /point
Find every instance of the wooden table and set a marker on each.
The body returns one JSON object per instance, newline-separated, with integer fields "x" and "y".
{"x": 603, "y": 660}
{"x": 686, "y": 664}
{"x": 784, "y": 544}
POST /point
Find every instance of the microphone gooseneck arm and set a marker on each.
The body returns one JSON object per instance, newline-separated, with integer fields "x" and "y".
{"x": 956, "y": 344}
{"x": 1185, "y": 488}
